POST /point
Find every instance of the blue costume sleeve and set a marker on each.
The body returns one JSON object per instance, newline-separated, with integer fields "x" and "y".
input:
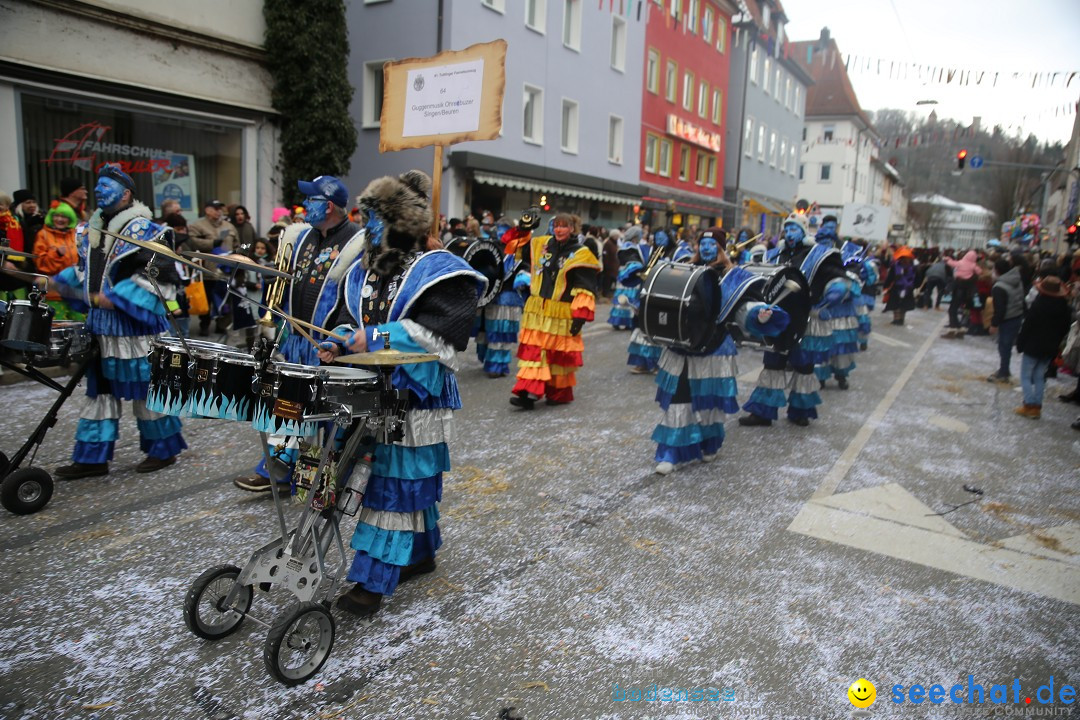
{"x": 776, "y": 324}
{"x": 136, "y": 301}
{"x": 424, "y": 379}
{"x": 628, "y": 274}
{"x": 522, "y": 281}
{"x": 835, "y": 291}
{"x": 68, "y": 277}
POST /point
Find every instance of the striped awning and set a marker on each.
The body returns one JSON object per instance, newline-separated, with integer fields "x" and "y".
{"x": 550, "y": 188}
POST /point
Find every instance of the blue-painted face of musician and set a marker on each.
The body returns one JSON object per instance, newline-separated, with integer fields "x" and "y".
{"x": 315, "y": 211}
{"x": 743, "y": 237}
{"x": 708, "y": 249}
{"x": 661, "y": 238}
{"x": 828, "y": 229}
{"x": 374, "y": 228}
{"x": 108, "y": 193}
{"x": 793, "y": 234}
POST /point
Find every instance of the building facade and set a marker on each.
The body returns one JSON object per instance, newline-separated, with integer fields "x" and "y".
{"x": 941, "y": 222}
{"x": 571, "y": 107}
{"x": 768, "y": 93}
{"x": 179, "y": 95}
{"x": 684, "y": 93}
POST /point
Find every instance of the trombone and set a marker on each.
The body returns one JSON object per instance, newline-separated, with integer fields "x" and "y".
{"x": 276, "y": 292}
{"x": 734, "y": 248}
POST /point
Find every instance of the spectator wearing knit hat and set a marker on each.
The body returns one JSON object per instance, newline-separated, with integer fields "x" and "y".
{"x": 25, "y": 207}
{"x": 73, "y": 192}
{"x": 1039, "y": 340}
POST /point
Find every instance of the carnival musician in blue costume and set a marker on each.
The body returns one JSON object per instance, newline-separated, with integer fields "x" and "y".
{"x": 696, "y": 391}
{"x": 824, "y": 273}
{"x": 870, "y": 276}
{"x": 500, "y": 320}
{"x": 324, "y": 250}
{"x": 426, "y": 302}
{"x": 842, "y": 316}
{"x": 633, "y": 253}
{"x": 125, "y": 313}
{"x": 643, "y": 353}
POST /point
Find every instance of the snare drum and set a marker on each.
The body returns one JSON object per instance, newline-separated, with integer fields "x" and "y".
{"x": 293, "y": 398}
{"x": 779, "y": 290}
{"x": 69, "y": 342}
{"x": 172, "y": 371}
{"x": 679, "y": 306}
{"x": 221, "y": 386}
{"x": 27, "y": 325}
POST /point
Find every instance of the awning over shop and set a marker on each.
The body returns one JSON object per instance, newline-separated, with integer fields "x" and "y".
{"x": 549, "y": 188}
{"x": 769, "y": 207}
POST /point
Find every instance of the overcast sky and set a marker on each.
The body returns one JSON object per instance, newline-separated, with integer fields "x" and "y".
{"x": 991, "y": 35}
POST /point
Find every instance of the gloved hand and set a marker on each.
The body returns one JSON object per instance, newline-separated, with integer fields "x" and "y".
{"x": 521, "y": 282}
{"x": 575, "y": 326}
{"x": 823, "y": 313}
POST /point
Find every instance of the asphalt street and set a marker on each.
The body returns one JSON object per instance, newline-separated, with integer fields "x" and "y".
{"x": 799, "y": 561}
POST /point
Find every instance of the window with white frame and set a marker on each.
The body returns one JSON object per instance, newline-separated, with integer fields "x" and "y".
{"x": 618, "y": 43}
{"x": 536, "y": 15}
{"x": 568, "y": 138}
{"x": 754, "y": 64}
{"x": 766, "y": 75}
{"x": 762, "y": 136}
{"x": 615, "y": 139}
{"x": 717, "y": 106}
{"x": 707, "y": 21}
{"x": 652, "y": 72}
{"x": 671, "y": 74}
{"x": 532, "y": 129}
{"x": 801, "y": 170}
{"x": 702, "y": 169}
{"x": 703, "y": 99}
{"x": 721, "y": 35}
{"x": 828, "y": 133}
{"x": 776, "y": 82}
{"x": 798, "y": 110}
{"x": 571, "y": 24}
{"x": 688, "y": 90}
{"x": 710, "y": 180}
{"x": 496, "y": 5}
{"x": 782, "y": 158}
{"x": 772, "y": 148}
{"x": 652, "y": 143}
{"x": 692, "y": 16}
{"x": 826, "y": 172}
{"x": 787, "y": 92}
{"x": 371, "y": 115}
{"x": 664, "y": 162}
{"x": 748, "y": 137}
{"x": 684, "y": 163}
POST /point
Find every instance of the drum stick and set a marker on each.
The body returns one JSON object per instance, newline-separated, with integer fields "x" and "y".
{"x": 790, "y": 286}
{"x": 297, "y": 323}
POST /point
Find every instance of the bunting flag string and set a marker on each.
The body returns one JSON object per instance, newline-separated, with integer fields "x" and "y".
{"x": 958, "y": 76}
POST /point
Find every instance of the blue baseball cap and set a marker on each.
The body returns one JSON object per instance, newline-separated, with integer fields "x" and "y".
{"x": 326, "y": 187}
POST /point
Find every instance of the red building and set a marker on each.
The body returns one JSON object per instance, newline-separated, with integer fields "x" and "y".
{"x": 684, "y": 101}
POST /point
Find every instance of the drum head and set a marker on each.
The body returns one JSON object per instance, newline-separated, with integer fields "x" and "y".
{"x": 680, "y": 304}
{"x": 336, "y": 372}
{"x": 485, "y": 257}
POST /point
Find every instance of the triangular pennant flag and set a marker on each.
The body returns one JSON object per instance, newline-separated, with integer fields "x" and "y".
{"x": 639, "y": 10}
{"x": 950, "y": 76}
{"x": 1069, "y": 81}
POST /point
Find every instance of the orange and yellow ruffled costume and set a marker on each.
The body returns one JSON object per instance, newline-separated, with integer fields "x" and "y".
{"x": 548, "y": 355}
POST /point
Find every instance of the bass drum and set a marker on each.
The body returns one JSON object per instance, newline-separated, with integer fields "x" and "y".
{"x": 486, "y": 257}
{"x": 679, "y": 306}
{"x": 787, "y": 288}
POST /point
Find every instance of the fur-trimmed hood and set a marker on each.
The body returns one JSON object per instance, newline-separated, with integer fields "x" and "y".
{"x": 403, "y": 204}
{"x": 118, "y": 223}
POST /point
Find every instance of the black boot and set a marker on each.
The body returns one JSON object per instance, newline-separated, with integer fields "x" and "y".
{"x": 842, "y": 382}
{"x": 75, "y": 471}
{"x": 360, "y": 602}
{"x": 753, "y": 420}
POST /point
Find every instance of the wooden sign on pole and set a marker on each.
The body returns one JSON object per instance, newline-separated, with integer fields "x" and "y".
{"x": 448, "y": 98}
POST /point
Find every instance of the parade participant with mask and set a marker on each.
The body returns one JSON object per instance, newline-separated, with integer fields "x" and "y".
{"x": 125, "y": 313}
{"x": 643, "y": 353}
{"x": 824, "y": 273}
{"x": 563, "y": 281}
{"x": 844, "y": 323}
{"x": 827, "y": 232}
{"x": 426, "y": 302}
{"x": 633, "y": 253}
{"x": 324, "y": 250}
{"x": 696, "y": 391}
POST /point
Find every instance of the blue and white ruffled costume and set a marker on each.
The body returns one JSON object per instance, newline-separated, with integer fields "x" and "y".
{"x": 123, "y": 334}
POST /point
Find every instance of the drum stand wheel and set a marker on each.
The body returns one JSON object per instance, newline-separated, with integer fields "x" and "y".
{"x": 205, "y": 610}
{"x": 26, "y": 490}
{"x": 299, "y": 642}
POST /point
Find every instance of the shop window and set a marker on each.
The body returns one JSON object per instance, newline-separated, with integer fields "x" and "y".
{"x": 167, "y": 155}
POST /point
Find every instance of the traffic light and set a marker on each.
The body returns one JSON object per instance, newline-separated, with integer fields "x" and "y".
{"x": 544, "y": 204}
{"x": 961, "y": 158}
{"x": 1071, "y": 238}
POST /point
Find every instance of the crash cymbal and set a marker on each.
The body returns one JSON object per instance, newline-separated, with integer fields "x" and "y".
{"x": 386, "y": 358}
{"x": 31, "y": 278}
{"x": 7, "y": 252}
{"x": 242, "y": 262}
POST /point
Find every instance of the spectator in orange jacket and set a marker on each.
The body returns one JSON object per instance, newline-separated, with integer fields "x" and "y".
{"x": 56, "y": 250}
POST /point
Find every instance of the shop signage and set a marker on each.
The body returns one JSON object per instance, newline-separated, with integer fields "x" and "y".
{"x": 80, "y": 148}
{"x": 692, "y": 133}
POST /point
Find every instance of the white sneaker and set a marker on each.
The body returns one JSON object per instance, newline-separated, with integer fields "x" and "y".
{"x": 665, "y": 468}
{"x": 708, "y": 458}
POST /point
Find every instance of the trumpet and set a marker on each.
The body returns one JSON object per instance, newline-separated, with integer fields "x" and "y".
{"x": 276, "y": 292}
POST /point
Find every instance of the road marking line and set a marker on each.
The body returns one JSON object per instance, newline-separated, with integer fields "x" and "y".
{"x": 855, "y": 447}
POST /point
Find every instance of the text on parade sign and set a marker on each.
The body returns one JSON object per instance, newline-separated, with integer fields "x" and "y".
{"x": 443, "y": 100}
